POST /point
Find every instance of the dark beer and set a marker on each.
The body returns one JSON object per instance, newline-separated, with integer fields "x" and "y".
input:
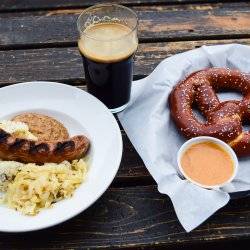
{"x": 107, "y": 51}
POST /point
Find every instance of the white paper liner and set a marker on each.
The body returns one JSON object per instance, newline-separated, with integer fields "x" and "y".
{"x": 151, "y": 130}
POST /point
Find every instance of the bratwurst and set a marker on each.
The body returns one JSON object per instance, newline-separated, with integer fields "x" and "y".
{"x": 28, "y": 151}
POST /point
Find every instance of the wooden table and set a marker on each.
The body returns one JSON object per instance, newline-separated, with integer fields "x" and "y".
{"x": 38, "y": 42}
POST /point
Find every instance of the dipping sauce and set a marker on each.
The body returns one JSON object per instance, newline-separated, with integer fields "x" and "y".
{"x": 207, "y": 163}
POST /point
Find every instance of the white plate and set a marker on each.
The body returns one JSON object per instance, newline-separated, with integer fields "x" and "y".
{"x": 80, "y": 113}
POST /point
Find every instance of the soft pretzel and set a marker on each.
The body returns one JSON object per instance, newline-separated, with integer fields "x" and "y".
{"x": 12, "y": 148}
{"x": 223, "y": 119}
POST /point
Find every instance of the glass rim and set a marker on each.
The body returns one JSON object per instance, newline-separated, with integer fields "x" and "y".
{"x": 106, "y": 5}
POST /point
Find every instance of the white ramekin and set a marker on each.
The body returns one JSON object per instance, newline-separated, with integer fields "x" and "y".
{"x": 222, "y": 144}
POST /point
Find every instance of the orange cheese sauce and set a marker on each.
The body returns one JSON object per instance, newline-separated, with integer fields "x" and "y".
{"x": 207, "y": 163}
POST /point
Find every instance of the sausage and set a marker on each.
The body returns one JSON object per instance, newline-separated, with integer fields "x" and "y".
{"x": 28, "y": 151}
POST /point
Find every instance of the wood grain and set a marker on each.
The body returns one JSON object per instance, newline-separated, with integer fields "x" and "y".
{"x": 10, "y": 5}
{"x": 132, "y": 170}
{"x": 134, "y": 216}
{"x": 65, "y": 64}
{"x": 157, "y": 23}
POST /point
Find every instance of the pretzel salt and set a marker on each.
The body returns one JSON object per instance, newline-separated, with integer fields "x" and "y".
{"x": 223, "y": 119}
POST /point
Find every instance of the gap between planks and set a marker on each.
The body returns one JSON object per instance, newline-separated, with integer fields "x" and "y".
{"x": 157, "y": 24}
{"x": 7, "y": 6}
{"x": 65, "y": 64}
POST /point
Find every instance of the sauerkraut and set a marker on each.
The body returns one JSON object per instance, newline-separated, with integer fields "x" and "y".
{"x": 36, "y": 187}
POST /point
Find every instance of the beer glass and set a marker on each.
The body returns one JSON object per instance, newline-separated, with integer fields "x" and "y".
{"x": 107, "y": 42}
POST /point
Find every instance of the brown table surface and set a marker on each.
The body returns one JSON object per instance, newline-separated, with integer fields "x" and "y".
{"x": 38, "y": 42}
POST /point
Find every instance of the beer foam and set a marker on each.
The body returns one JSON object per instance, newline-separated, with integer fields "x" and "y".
{"x": 108, "y": 42}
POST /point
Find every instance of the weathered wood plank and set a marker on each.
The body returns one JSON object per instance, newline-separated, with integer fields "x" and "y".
{"x": 132, "y": 170}
{"x": 133, "y": 217}
{"x": 10, "y": 5}
{"x": 65, "y": 65}
{"x": 174, "y": 22}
